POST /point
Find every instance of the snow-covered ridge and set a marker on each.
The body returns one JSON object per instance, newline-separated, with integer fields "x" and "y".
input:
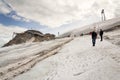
{"x": 99, "y": 25}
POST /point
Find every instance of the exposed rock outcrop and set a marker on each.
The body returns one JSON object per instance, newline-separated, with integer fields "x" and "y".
{"x": 29, "y": 36}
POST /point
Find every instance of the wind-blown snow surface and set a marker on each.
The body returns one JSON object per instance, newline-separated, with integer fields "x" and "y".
{"x": 18, "y": 59}
{"x": 113, "y": 36}
{"x": 78, "y": 60}
{"x": 99, "y": 25}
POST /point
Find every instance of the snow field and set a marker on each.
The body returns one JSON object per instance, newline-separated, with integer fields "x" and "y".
{"x": 78, "y": 60}
{"x": 28, "y": 59}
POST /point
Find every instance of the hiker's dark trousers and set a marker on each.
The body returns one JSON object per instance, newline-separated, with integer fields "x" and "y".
{"x": 94, "y": 41}
{"x": 101, "y": 38}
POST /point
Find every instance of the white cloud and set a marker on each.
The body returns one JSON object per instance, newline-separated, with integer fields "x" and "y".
{"x": 10, "y": 29}
{"x": 54, "y": 13}
{"x": 16, "y": 17}
{"x": 19, "y": 18}
{"x": 3, "y": 8}
{"x": 6, "y": 33}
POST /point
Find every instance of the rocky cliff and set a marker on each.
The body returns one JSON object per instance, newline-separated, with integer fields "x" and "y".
{"x": 29, "y": 36}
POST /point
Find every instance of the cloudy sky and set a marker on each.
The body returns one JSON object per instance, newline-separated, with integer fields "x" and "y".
{"x": 55, "y": 15}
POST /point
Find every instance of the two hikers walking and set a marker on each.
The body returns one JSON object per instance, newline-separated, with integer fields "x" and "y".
{"x": 94, "y": 36}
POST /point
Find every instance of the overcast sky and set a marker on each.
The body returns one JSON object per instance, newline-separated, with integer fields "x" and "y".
{"x": 57, "y": 14}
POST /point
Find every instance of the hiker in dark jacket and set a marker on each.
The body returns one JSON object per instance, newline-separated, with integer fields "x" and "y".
{"x": 101, "y": 34}
{"x": 94, "y": 36}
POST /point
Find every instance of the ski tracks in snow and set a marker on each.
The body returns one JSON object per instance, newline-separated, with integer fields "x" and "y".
{"x": 78, "y": 60}
{"x": 16, "y": 68}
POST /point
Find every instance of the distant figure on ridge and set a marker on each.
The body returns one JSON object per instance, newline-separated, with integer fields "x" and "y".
{"x": 103, "y": 15}
{"x": 94, "y": 36}
{"x": 101, "y": 34}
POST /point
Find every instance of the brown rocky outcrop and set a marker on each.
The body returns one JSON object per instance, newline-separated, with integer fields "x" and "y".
{"x": 29, "y": 36}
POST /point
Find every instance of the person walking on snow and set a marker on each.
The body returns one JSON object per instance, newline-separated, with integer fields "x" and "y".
{"x": 101, "y": 34}
{"x": 94, "y": 36}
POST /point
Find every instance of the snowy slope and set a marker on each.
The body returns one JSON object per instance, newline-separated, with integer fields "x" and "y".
{"x": 17, "y": 59}
{"x": 113, "y": 36}
{"x": 99, "y": 25}
{"x": 78, "y": 60}
{"x": 63, "y": 59}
